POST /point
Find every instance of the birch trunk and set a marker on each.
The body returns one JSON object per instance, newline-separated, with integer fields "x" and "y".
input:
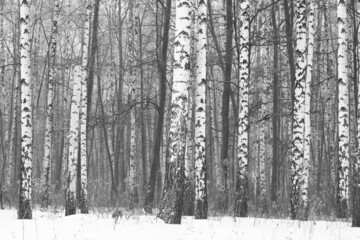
{"x": 49, "y": 109}
{"x": 133, "y": 75}
{"x": 274, "y": 167}
{"x": 83, "y": 113}
{"x": 24, "y": 211}
{"x": 201, "y": 204}
{"x": 189, "y": 193}
{"x": 67, "y": 104}
{"x": 307, "y": 131}
{"x": 264, "y": 99}
{"x": 172, "y": 199}
{"x": 70, "y": 204}
{"x": 343, "y": 116}
{"x": 241, "y": 206}
{"x": 298, "y": 122}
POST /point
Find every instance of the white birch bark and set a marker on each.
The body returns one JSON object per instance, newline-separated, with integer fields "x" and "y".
{"x": 133, "y": 76}
{"x": 307, "y": 131}
{"x": 343, "y": 108}
{"x": 24, "y": 211}
{"x": 189, "y": 163}
{"x": 299, "y": 101}
{"x": 70, "y": 205}
{"x": 243, "y": 120}
{"x": 83, "y": 113}
{"x": 171, "y": 206}
{"x": 200, "y": 111}
{"x": 49, "y": 110}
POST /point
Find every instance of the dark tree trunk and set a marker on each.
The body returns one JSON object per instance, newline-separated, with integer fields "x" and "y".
{"x": 356, "y": 173}
{"x": 356, "y": 197}
{"x": 112, "y": 178}
{"x": 119, "y": 148}
{"x": 290, "y": 48}
{"x": 225, "y": 101}
{"x": 91, "y": 61}
{"x": 150, "y": 189}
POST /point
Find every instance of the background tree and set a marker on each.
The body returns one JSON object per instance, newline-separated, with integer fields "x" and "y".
{"x": 162, "y": 64}
{"x": 49, "y": 110}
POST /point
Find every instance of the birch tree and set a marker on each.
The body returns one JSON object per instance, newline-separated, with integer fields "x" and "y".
{"x": 307, "y": 131}
{"x": 70, "y": 204}
{"x": 133, "y": 76}
{"x": 265, "y": 55}
{"x": 83, "y": 113}
{"x": 201, "y": 205}
{"x": 343, "y": 110}
{"x": 172, "y": 198}
{"x": 24, "y": 211}
{"x": 67, "y": 104}
{"x": 49, "y": 109}
{"x": 299, "y": 101}
{"x": 243, "y": 120}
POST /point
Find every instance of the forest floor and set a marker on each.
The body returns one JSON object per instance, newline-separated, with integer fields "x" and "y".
{"x": 98, "y": 226}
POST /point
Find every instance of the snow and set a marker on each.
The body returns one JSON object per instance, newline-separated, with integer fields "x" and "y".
{"x": 47, "y": 225}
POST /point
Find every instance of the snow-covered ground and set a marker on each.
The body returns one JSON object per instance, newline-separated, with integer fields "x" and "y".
{"x": 100, "y": 226}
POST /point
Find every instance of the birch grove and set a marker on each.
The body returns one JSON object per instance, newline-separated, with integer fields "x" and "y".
{"x": 179, "y": 108}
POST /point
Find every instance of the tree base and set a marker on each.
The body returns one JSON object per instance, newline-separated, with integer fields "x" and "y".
{"x": 70, "y": 205}
{"x": 24, "y": 211}
{"x": 356, "y": 203}
{"x": 189, "y": 197}
{"x": 241, "y": 208}
{"x": 201, "y": 209}
{"x": 341, "y": 209}
{"x": 148, "y": 209}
